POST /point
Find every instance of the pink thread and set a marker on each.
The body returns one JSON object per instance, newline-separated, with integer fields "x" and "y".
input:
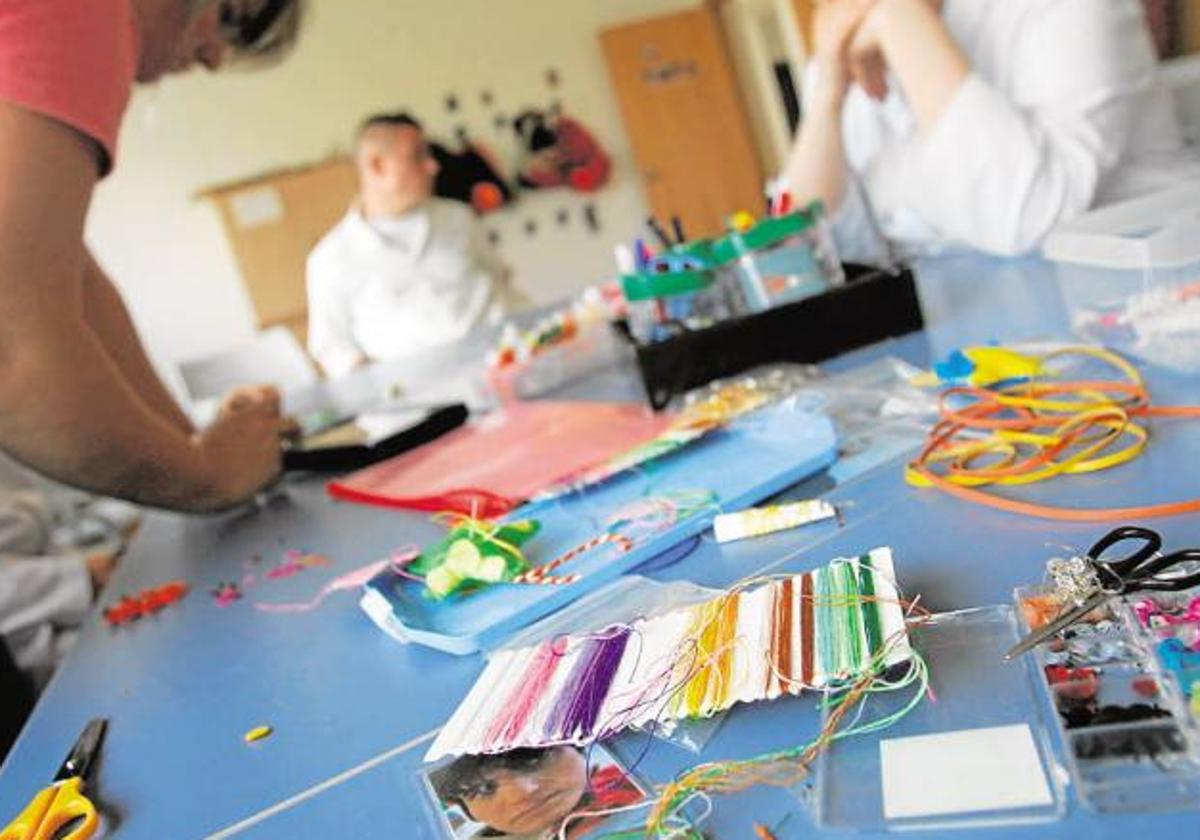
{"x": 294, "y": 562}
{"x": 284, "y": 570}
{"x": 524, "y": 699}
{"x": 351, "y": 580}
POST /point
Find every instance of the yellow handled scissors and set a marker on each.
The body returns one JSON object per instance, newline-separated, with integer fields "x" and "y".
{"x": 63, "y": 803}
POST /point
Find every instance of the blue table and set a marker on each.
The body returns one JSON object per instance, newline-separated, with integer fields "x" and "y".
{"x": 181, "y": 688}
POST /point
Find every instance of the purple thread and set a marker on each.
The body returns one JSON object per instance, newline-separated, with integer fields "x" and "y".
{"x": 578, "y": 706}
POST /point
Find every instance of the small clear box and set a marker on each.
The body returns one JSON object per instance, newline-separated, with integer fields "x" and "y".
{"x": 1130, "y": 276}
{"x": 972, "y": 690}
{"x": 787, "y": 258}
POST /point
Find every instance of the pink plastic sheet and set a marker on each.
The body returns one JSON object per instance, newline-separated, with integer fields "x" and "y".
{"x": 491, "y": 465}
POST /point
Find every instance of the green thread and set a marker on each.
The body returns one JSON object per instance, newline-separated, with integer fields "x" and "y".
{"x": 870, "y": 606}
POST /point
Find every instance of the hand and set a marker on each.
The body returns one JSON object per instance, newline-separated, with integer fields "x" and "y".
{"x": 834, "y": 26}
{"x": 240, "y": 453}
{"x": 100, "y": 566}
{"x": 867, "y": 65}
{"x": 865, "y": 53}
{"x": 251, "y": 398}
{"x": 263, "y": 398}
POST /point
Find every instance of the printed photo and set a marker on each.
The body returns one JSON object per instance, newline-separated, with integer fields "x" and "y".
{"x": 526, "y": 794}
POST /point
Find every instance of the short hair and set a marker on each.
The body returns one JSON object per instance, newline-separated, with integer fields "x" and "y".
{"x": 395, "y": 119}
{"x": 266, "y": 33}
{"x": 467, "y": 776}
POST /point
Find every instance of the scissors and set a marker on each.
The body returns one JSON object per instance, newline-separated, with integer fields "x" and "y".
{"x": 1139, "y": 571}
{"x": 63, "y": 803}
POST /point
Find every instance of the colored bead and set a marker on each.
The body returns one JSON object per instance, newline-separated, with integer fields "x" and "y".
{"x": 257, "y": 734}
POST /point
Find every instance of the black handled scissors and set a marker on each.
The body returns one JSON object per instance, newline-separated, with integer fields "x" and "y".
{"x": 1140, "y": 571}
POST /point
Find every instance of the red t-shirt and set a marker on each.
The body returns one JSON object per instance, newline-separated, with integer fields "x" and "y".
{"x": 71, "y": 60}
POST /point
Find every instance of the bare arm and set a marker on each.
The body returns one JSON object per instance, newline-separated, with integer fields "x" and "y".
{"x": 999, "y": 167}
{"x": 816, "y": 168}
{"x": 108, "y": 317}
{"x": 68, "y": 409}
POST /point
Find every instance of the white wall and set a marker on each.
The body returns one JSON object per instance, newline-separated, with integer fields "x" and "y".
{"x": 166, "y": 250}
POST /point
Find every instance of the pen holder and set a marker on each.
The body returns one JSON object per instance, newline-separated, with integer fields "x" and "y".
{"x": 674, "y": 300}
{"x": 787, "y": 258}
{"x": 873, "y": 304}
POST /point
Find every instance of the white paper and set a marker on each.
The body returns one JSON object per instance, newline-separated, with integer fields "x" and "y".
{"x": 256, "y": 207}
{"x": 995, "y": 768}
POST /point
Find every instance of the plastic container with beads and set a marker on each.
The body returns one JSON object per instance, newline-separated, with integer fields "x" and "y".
{"x": 668, "y": 299}
{"x": 783, "y": 259}
{"x": 1130, "y": 276}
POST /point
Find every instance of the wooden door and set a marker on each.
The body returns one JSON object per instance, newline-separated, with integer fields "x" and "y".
{"x": 804, "y": 17}
{"x": 685, "y": 119}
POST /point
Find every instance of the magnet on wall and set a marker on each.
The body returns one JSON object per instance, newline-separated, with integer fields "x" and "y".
{"x": 531, "y": 227}
{"x": 591, "y": 217}
{"x": 451, "y": 102}
{"x": 562, "y": 216}
{"x": 553, "y": 78}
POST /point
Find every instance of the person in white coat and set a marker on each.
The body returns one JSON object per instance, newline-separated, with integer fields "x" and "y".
{"x": 403, "y": 271}
{"x": 979, "y": 123}
{"x": 46, "y": 589}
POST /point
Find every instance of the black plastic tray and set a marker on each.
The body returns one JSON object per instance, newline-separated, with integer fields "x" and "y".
{"x": 872, "y": 305}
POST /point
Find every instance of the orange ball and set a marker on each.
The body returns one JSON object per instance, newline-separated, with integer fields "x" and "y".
{"x": 486, "y": 196}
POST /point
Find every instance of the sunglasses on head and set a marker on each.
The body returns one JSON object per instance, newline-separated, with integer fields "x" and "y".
{"x": 245, "y": 23}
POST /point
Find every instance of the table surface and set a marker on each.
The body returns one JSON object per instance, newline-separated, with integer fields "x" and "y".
{"x": 181, "y": 688}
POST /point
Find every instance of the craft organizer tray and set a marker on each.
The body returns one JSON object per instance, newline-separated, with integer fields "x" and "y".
{"x": 754, "y": 458}
{"x": 1086, "y": 677}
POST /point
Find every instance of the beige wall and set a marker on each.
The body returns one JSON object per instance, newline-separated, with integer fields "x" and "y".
{"x": 166, "y": 250}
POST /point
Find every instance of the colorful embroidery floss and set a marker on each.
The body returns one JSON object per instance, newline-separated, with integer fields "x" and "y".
{"x": 786, "y": 768}
{"x": 830, "y": 626}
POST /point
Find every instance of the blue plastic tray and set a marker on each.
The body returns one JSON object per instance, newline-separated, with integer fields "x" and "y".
{"x": 756, "y": 457}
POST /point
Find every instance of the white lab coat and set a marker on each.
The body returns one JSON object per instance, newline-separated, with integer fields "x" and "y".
{"x": 400, "y": 286}
{"x": 1061, "y": 112}
{"x": 44, "y": 595}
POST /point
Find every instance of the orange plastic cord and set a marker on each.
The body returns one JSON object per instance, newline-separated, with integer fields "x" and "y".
{"x": 1040, "y": 429}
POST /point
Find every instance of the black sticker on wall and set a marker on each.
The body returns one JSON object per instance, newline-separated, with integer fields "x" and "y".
{"x": 591, "y": 217}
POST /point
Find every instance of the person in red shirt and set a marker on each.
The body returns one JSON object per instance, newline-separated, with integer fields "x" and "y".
{"x": 79, "y": 399}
